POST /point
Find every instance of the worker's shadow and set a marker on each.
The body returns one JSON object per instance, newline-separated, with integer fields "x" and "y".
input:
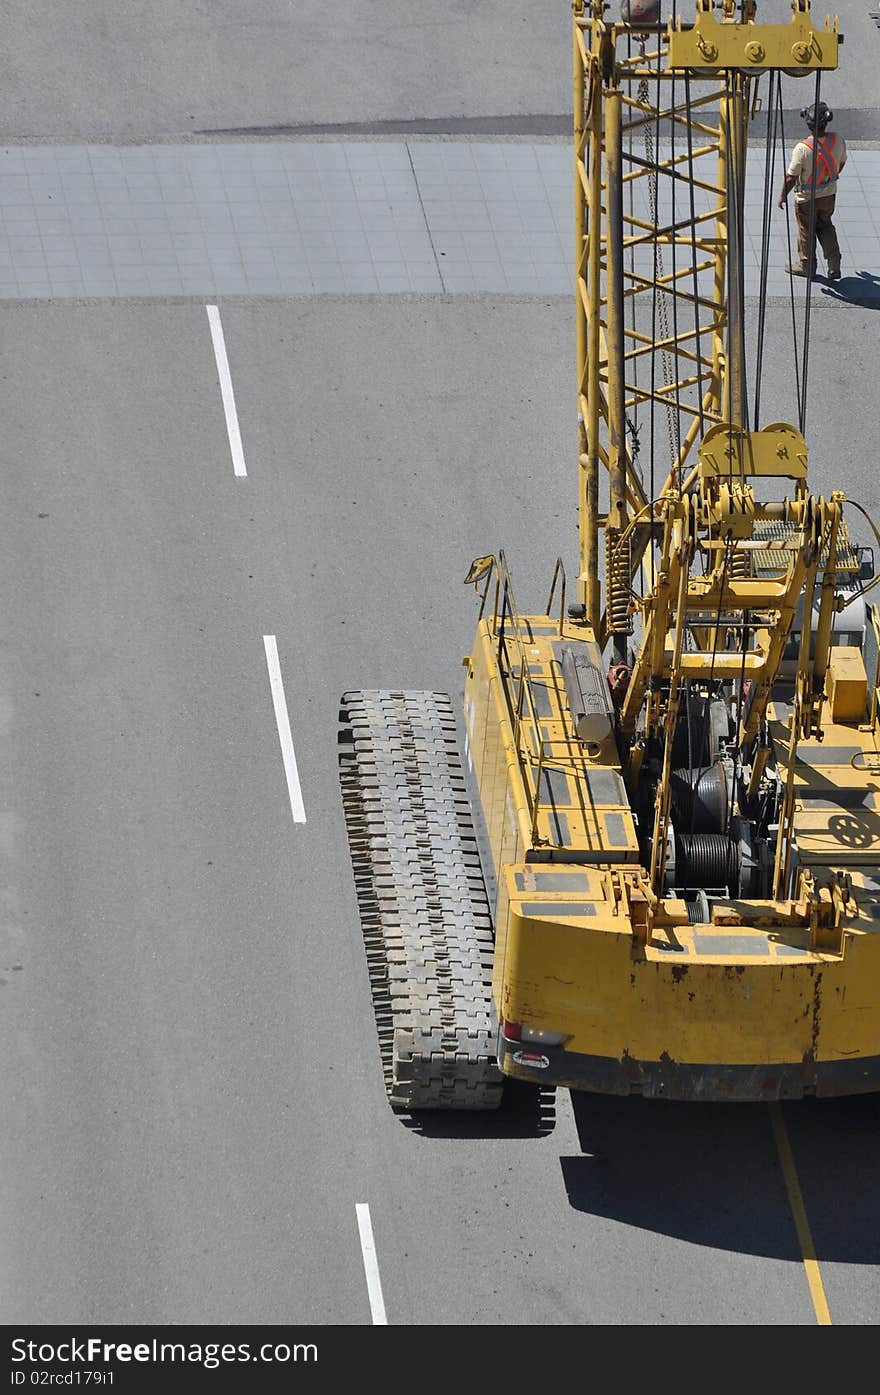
{"x": 861, "y": 289}
{"x": 527, "y": 1111}
{"x": 711, "y": 1174}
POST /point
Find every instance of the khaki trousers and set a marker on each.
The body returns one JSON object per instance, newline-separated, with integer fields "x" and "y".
{"x": 823, "y": 231}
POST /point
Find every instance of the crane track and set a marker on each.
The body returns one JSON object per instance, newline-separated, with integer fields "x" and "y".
{"x": 424, "y": 911}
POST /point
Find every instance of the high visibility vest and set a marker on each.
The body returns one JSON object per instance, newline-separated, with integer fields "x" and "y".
{"x": 827, "y": 168}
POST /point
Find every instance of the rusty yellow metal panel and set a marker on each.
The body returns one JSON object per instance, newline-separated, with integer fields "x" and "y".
{"x": 710, "y": 45}
{"x": 847, "y": 685}
{"x": 759, "y": 1000}
{"x": 776, "y": 451}
{"x": 496, "y": 771}
{"x": 543, "y": 796}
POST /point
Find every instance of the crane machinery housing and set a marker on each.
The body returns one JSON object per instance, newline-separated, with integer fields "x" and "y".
{"x": 678, "y": 772}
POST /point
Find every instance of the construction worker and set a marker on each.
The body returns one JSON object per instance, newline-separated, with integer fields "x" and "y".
{"x": 814, "y": 171}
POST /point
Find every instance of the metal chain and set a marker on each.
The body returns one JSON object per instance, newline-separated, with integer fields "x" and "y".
{"x": 662, "y": 312}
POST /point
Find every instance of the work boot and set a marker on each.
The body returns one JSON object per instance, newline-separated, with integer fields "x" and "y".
{"x": 834, "y": 270}
{"x": 801, "y": 269}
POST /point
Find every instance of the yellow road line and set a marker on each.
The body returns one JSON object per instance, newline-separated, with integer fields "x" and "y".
{"x": 799, "y": 1211}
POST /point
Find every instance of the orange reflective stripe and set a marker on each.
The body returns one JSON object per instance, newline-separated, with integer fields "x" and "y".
{"x": 826, "y": 156}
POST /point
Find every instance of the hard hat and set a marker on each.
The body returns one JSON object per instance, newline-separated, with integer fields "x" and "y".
{"x": 817, "y": 115}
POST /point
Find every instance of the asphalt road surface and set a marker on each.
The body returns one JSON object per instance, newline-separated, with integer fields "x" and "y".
{"x": 191, "y": 1082}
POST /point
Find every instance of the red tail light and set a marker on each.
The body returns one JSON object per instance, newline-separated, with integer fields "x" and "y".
{"x": 512, "y": 1031}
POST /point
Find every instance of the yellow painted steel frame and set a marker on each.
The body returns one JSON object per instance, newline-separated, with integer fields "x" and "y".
{"x": 601, "y": 981}
{"x": 615, "y": 68}
{"x": 770, "y": 999}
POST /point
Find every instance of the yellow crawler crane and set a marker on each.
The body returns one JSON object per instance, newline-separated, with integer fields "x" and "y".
{"x": 687, "y": 842}
{"x": 680, "y": 772}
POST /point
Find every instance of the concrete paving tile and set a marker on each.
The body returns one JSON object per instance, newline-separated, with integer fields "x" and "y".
{"x": 22, "y": 221}
{"x": 272, "y": 180}
{"x": 303, "y": 155}
{"x": 75, "y": 180}
{"x": 238, "y": 182}
{"x": 284, "y": 220}
{"x": 40, "y": 177}
{"x": 62, "y": 261}
{"x": 296, "y": 281}
{"x": 521, "y": 156}
{"x": 158, "y": 259}
{"x": 260, "y": 283}
{"x": 472, "y": 213}
{"x": 247, "y": 224}
{"x": 206, "y": 183}
{"x": 523, "y": 279}
{"x": 216, "y": 225}
{"x": 361, "y": 279}
{"x": 9, "y": 197}
{"x": 110, "y": 185}
{"x": 164, "y": 281}
{"x": 67, "y": 288}
{"x": 182, "y": 225}
{"x": 327, "y": 279}
{"x": 192, "y": 260}
{"x": 426, "y": 284}
{"x": 26, "y": 274}
{"x": 230, "y": 283}
{"x": 141, "y": 189}
{"x": 189, "y": 241}
{"x": 362, "y": 155}
{"x": 148, "y": 212}
{"x": 112, "y": 208}
{"x": 56, "y": 224}
{"x": 368, "y": 187}
{"x": 289, "y": 240}
{"x": 390, "y": 282}
{"x": 135, "y": 285}
{"x": 259, "y": 268}
{"x": 487, "y": 155}
{"x": 514, "y": 254}
{"x": 254, "y": 242}
{"x": 122, "y": 228}
{"x": 400, "y": 183}
{"x": 225, "y": 271}
{"x": 57, "y": 242}
{"x": 392, "y": 155}
{"x": 222, "y": 248}
{"x": 17, "y": 243}
{"x": 327, "y": 156}
{"x": 126, "y": 259}
{"x": 30, "y": 257}
{"x": 305, "y": 185}
{"x": 72, "y": 161}
{"x": 311, "y": 216}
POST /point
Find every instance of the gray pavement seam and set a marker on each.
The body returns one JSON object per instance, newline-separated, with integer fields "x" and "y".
{"x": 425, "y": 216}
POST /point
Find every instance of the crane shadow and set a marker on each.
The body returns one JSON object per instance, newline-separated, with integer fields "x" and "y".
{"x": 527, "y": 1111}
{"x": 862, "y": 289}
{"x": 711, "y": 1174}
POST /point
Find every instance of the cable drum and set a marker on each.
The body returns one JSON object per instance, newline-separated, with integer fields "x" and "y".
{"x": 698, "y": 909}
{"x": 707, "y": 860}
{"x": 700, "y": 799}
